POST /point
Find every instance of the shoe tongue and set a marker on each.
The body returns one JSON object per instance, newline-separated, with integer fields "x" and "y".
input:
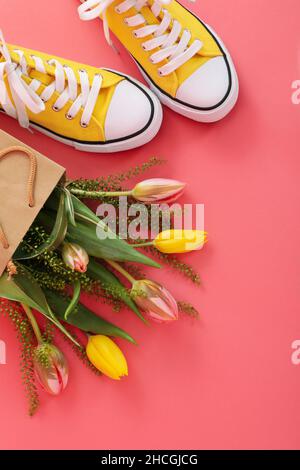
{"x": 148, "y": 14}
{"x": 34, "y": 74}
{"x": 44, "y": 78}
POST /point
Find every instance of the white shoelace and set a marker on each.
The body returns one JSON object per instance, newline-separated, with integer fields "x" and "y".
{"x": 25, "y": 96}
{"x": 168, "y": 35}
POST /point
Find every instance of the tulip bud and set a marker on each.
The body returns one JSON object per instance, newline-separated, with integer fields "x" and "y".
{"x": 180, "y": 241}
{"x": 51, "y": 368}
{"x": 106, "y": 356}
{"x": 155, "y": 301}
{"x": 158, "y": 190}
{"x": 75, "y": 257}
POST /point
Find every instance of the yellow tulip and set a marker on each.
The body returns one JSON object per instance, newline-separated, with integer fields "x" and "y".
{"x": 180, "y": 241}
{"x": 106, "y": 356}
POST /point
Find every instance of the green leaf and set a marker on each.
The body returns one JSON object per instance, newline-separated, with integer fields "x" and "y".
{"x": 12, "y": 290}
{"x": 85, "y": 235}
{"x": 25, "y": 290}
{"x": 75, "y": 299}
{"x": 69, "y": 207}
{"x": 56, "y": 236}
{"x": 82, "y": 210}
{"x": 85, "y": 319}
{"x": 98, "y": 272}
{"x": 110, "y": 248}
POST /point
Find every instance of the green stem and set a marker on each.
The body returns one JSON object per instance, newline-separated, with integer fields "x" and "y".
{"x": 98, "y": 194}
{"x": 33, "y": 323}
{"x": 121, "y": 270}
{"x": 140, "y": 245}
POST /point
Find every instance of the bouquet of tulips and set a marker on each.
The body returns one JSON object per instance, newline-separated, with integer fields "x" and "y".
{"x": 62, "y": 256}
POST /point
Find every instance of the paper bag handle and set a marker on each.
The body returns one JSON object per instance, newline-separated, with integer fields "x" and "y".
{"x": 30, "y": 185}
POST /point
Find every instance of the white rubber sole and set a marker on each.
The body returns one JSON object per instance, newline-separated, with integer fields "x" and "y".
{"x": 119, "y": 146}
{"x": 208, "y": 116}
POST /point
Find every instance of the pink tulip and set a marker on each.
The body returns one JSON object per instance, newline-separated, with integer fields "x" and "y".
{"x": 51, "y": 368}
{"x": 75, "y": 257}
{"x": 155, "y": 301}
{"x": 158, "y": 190}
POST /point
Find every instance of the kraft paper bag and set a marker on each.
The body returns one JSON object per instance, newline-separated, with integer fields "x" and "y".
{"x": 16, "y": 216}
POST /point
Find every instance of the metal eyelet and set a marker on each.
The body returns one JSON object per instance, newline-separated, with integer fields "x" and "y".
{"x": 69, "y": 116}
{"x": 55, "y": 108}
{"x": 143, "y": 47}
{"x": 160, "y": 73}
{"x": 83, "y": 124}
{"x": 82, "y": 71}
{"x": 117, "y": 10}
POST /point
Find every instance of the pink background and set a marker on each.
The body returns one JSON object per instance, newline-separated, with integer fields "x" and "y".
{"x": 226, "y": 381}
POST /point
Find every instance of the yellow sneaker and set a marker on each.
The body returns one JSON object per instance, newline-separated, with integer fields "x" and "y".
{"x": 180, "y": 57}
{"x": 91, "y": 109}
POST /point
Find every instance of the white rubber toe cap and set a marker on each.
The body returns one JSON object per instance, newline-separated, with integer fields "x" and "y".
{"x": 130, "y": 111}
{"x": 207, "y": 86}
